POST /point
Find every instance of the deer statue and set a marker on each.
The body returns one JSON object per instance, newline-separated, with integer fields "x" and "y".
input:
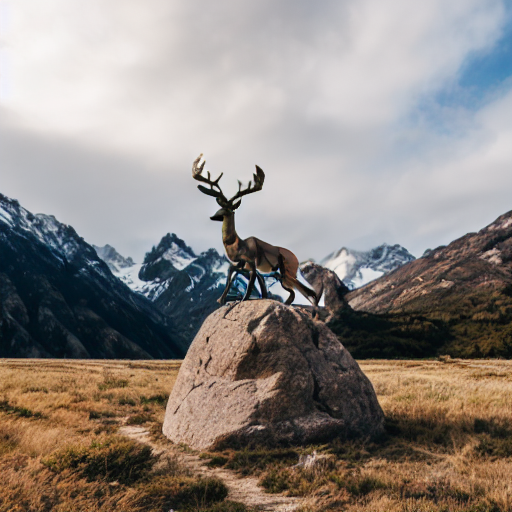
{"x": 250, "y": 254}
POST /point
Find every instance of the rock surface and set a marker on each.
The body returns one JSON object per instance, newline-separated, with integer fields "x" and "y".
{"x": 263, "y": 372}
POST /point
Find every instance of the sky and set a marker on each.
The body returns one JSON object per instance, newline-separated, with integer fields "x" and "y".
{"x": 373, "y": 121}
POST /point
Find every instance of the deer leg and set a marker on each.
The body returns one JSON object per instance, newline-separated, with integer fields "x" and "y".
{"x": 263, "y": 286}
{"x": 282, "y": 271}
{"x": 250, "y": 286}
{"x": 291, "y": 298}
{"x": 222, "y": 299}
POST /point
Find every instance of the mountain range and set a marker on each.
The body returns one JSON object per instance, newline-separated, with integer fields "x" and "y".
{"x": 185, "y": 286}
{"x": 181, "y": 284}
{"x": 59, "y": 299}
{"x": 357, "y": 268}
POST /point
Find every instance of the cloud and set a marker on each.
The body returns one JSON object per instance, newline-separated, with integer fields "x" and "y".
{"x": 337, "y": 101}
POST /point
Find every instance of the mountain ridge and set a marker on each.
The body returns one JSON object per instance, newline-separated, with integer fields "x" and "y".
{"x": 466, "y": 284}
{"x": 358, "y": 268}
{"x": 59, "y": 299}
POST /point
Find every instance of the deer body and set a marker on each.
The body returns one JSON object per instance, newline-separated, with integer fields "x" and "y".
{"x": 251, "y": 254}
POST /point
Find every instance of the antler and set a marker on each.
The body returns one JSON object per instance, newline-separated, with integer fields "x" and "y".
{"x": 258, "y": 177}
{"x": 214, "y": 184}
{"x": 215, "y": 190}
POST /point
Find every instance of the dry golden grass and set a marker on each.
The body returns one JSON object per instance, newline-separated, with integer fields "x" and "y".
{"x": 453, "y": 421}
{"x": 448, "y": 446}
{"x": 59, "y": 450}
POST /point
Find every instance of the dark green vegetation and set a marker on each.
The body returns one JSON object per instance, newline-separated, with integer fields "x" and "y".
{"x": 386, "y": 336}
{"x": 473, "y": 334}
{"x": 471, "y": 326}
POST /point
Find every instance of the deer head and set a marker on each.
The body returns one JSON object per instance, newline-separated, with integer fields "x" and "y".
{"x": 228, "y": 206}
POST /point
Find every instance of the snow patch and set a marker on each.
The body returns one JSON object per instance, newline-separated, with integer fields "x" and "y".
{"x": 365, "y": 275}
{"x": 190, "y": 287}
{"x": 178, "y": 257}
{"x": 150, "y": 289}
{"x": 5, "y": 216}
{"x": 342, "y": 263}
{"x": 221, "y": 281}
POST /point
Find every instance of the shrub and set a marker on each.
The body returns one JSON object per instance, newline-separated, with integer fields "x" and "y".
{"x": 110, "y": 381}
{"x": 125, "y": 400}
{"x": 112, "y": 459}
{"x": 139, "y": 419}
{"x": 362, "y": 485}
{"x": 22, "y": 412}
{"x": 160, "y": 399}
{"x": 276, "y": 480}
{"x": 96, "y": 415}
{"x": 495, "y": 447}
{"x": 250, "y": 461}
{"x": 170, "y": 492}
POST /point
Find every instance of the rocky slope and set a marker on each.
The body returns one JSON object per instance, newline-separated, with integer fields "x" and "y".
{"x": 357, "y": 268}
{"x": 59, "y": 299}
{"x": 466, "y": 285}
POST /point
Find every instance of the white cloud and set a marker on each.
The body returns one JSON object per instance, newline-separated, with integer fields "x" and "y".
{"x": 320, "y": 95}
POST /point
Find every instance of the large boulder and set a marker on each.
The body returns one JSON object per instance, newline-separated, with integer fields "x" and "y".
{"x": 263, "y": 372}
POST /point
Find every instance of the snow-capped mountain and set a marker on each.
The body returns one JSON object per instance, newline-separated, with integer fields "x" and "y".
{"x": 128, "y": 272}
{"x": 182, "y": 285}
{"x": 165, "y": 262}
{"x": 357, "y": 268}
{"x": 170, "y": 255}
{"x": 59, "y": 299}
{"x": 64, "y": 241}
{"x": 112, "y": 258}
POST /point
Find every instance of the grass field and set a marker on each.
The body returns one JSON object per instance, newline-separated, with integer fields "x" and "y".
{"x": 448, "y": 445}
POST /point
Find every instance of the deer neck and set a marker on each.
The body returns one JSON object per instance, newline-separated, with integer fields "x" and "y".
{"x": 229, "y": 235}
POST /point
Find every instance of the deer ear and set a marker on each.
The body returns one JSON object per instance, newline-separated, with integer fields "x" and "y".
{"x": 236, "y": 205}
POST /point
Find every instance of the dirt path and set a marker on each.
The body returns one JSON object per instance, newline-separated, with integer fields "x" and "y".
{"x": 244, "y": 490}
